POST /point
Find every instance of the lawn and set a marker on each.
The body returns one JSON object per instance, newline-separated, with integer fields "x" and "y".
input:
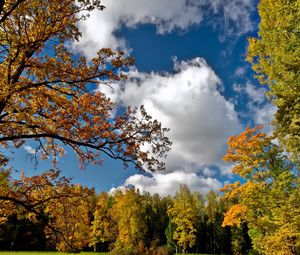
{"x": 59, "y": 253}
{"x": 47, "y": 253}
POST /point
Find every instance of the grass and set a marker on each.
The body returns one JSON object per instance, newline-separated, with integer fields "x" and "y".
{"x": 47, "y": 253}
{"x": 60, "y": 253}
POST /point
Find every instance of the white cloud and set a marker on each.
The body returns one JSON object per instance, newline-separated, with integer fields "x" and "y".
{"x": 240, "y": 71}
{"x": 256, "y": 95}
{"x": 265, "y": 116}
{"x": 234, "y": 17}
{"x": 208, "y": 172}
{"x": 259, "y": 108}
{"x": 189, "y": 103}
{"x": 168, "y": 184}
{"x": 29, "y": 149}
{"x": 237, "y": 15}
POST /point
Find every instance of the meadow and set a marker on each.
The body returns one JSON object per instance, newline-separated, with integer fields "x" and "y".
{"x": 47, "y": 253}
{"x": 58, "y": 253}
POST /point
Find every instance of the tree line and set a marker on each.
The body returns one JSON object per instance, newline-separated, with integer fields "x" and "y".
{"x": 259, "y": 214}
{"x": 50, "y": 213}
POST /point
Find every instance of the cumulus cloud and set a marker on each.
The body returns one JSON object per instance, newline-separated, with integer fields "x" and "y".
{"x": 233, "y": 16}
{"x": 168, "y": 184}
{"x": 236, "y": 15}
{"x": 265, "y": 116}
{"x": 256, "y": 95}
{"x": 259, "y": 108}
{"x": 189, "y": 102}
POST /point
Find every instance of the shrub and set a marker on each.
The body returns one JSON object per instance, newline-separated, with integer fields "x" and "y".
{"x": 162, "y": 250}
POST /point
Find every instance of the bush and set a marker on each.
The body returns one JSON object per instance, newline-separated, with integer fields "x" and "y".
{"x": 253, "y": 252}
{"x": 162, "y": 250}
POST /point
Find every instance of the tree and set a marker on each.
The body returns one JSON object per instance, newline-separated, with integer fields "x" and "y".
{"x": 240, "y": 240}
{"x": 211, "y": 211}
{"x": 7, "y": 206}
{"x": 10, "y": 7}
{"x": 48, "y": 93}
{"x": 62, "y": 208}
{"x": 183, "y": 215}
{"x": 156, "y": 218}
{"x": 200, "y": 223}
{"x": 22, "y": 235}
{"x": 103, "y": 229}
{"x": 274, "y": 56}
{"x": 268, "y": 197}
{"x": 129, "y": 213}
{"x": 169, "y": 235}
{"x": 214, "y": 215}
{"x": 70, "y": 216}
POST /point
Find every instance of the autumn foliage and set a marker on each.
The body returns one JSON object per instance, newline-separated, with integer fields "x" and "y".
{"x": 267, "y": 198}
{"x": 72, "y": 218}
{"x": 51, "y": 201}
{"x": 49, "y": 93}
{"x": 274, "y": 56}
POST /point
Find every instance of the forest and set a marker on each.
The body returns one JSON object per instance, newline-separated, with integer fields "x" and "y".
{"x": 257, "y": 214}
{"x": 48, "y": 97}
{"x": 128, "y": 223}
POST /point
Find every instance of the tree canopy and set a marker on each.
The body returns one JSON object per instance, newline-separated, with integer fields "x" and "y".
{"x": 268, "y": 197}
{"x": 275, "y": 57}
{"x": 49, "y": 93}
{"x": 49, "y": 212}
{"x": 51, "y": 201}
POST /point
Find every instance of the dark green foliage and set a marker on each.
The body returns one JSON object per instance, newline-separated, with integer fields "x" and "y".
{"x": 157, "y": 218}
{"x": 163, "y": 250}
{"x": 22, "y": 235}
{"x": 169, "y": 235}
{"x": 240, "y": 240}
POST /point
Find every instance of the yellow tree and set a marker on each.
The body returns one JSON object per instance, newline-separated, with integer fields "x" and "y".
{"x": 183, "y": 215}
{"x": 9, "y": 10}
{"x": 103, "y": 229}
{"x": 268, "y": 198}
{"x": 129, "y": 213}
{"x": 69, "y": 219}
{"x": 7, "y": 206}
{"x": 275, "y": 57}
{"x": 48, "y": 93}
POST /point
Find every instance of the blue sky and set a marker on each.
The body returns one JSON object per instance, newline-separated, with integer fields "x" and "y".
{"x": 190, "y": 74}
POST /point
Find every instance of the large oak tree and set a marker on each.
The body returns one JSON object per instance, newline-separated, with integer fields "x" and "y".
{"x": 49, "y": 94}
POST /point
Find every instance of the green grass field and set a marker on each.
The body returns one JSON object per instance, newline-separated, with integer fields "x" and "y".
{"x": 47, "y": 253}
{"x": 57, "y": 253}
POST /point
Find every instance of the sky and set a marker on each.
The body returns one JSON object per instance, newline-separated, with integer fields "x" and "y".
{"x": 190, "y": 74}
